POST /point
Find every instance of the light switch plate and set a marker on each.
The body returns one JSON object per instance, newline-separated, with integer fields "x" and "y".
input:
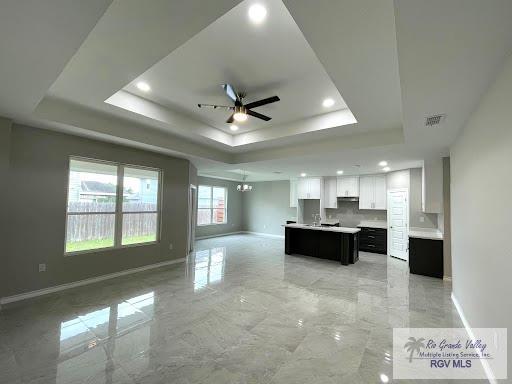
{"x": 42, "y": 267}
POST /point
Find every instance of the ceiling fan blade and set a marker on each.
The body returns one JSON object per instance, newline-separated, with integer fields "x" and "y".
{"x": 259, "y": 103}
{"x": 230, "y": 91}
{"x": 231, "y": 119}
{"x": 214, "y": 106}
{"x": 258, "y": 115}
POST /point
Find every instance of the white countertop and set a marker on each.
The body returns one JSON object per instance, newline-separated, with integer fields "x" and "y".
{"x": 425, "y": 233}
{"x": 330, "y": 229}
{"x": 373, "y": 224}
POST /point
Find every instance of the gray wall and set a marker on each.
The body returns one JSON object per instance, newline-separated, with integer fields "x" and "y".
{"x": 5, "y": 143}
{"x": 481, "y": 191}
{"x": 267, "y": 207}
{"x": 234, "y": 222}
{"x": 447, "y": 242}
{"x": 37, "y": 193}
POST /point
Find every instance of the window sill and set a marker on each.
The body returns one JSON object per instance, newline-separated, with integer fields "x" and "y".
{"x": 210, "y": 225}
{"x": 98, "y": 250}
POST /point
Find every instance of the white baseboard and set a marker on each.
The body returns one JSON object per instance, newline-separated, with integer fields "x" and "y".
{"x": 241, "y": 232}
{"x": 264, "y": 234}
{"x": 92, "y": 280}
{"x": 447, "y": 278}
{"x": 219, "y": 235}
{"x": 485, "y": 364}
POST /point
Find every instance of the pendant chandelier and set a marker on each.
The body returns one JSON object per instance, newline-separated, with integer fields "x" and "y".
{"x": 244, "y": 187}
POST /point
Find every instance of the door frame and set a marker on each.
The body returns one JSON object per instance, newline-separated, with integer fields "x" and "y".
{"x": 389, "y": 191}
{"x": 192, "y": 217}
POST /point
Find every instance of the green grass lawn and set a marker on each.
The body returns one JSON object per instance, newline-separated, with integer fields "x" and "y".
{"x": 105, "y": 243}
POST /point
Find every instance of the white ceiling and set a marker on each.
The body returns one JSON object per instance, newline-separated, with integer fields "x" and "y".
{"x": 262, "y": 60}
{"x": 394, "y": 62}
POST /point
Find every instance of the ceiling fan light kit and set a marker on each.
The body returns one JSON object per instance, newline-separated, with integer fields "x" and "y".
{"x": 240, "y": 110}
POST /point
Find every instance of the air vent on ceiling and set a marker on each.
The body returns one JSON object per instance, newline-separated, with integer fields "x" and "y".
{"x": 434, "y": 120}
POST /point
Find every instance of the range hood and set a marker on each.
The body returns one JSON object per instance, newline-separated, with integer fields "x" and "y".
{"x": 353, "y": 198}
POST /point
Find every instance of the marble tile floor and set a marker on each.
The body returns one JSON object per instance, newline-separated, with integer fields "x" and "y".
{"x": 239, "y": 311}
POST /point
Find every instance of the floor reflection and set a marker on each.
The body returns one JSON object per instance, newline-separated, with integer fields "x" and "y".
{"x": 208, "y": 267}
{"x": 255, "y": 316}
{"x": 95, "y": 338}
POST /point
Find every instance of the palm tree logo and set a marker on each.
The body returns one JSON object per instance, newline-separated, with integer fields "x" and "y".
{"x": 414, "y": 345}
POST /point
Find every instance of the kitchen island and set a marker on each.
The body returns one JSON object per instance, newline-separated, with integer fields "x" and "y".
{"x": 333, "y": 243}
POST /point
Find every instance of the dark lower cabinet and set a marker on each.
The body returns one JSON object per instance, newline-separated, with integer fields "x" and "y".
{"x": 373, "y": 240}
{"x": 426, "y": 257}
{"x": 339, "y": 246}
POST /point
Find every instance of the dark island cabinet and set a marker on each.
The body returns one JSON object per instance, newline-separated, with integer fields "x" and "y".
{"x": 332, "y": 245}
{"x": 373, "y": 240}
{"x": 426, "y": 257}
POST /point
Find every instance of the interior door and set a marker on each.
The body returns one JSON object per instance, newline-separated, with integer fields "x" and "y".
{"x": 398, "y": 223}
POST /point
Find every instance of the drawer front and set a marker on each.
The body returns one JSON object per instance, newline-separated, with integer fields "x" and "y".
{"x": 373, "y": 240}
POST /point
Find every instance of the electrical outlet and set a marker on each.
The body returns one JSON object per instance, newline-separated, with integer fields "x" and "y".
{"x": 170, "y": 247}
{"x": 422, "y": 219}
{"x": 42, "y": 267}
{"x": 265, "y": 226}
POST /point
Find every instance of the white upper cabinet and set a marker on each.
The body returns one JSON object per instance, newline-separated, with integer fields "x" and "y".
{"x": 372, "y": 192}
{"x": 347, "y": 186}
{"x": 309, "y": 188}
{"x": 330, "y": 196}
{"x": 380, "y": 192}
{"x": 293, "y": 193}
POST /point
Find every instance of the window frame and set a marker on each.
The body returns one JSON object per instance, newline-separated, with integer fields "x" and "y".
{"x": 118, "y": 212}
{"x": 211, "y": 205}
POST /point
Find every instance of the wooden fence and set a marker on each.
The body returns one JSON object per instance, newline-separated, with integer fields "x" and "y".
{"x": 101, "y": 226}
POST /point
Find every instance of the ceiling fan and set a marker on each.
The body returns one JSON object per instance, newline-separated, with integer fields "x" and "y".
{"x": 241, "y": 110}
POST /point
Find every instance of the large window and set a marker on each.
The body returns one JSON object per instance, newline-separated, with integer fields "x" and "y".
{"x": 211, "y": 205}
{"x": 111, "y": 205}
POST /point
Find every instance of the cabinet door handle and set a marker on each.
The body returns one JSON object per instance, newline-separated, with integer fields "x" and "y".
{"x": 371, "y": 245}
{"x": 373, "y": 237}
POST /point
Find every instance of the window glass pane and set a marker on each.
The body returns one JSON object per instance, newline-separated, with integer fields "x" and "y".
{"x": 219, "y": 216}
{"x": 92, "y": 186}
{"x": 84, "y": 232}
{"x": 140, "y": 190}
{"x": 219, "y": 197}
{"x": 204, "y": 216}
{"x": 204, "y": 197}
{"x": 139, "y": 228}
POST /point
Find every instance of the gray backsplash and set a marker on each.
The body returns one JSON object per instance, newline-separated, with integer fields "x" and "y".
{"x": 350, "y": 215}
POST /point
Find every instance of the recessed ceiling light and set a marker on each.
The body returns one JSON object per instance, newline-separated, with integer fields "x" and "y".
{"x": 257, "y": 13}
{"x": 303, "y": 174}
{"x": 385, "y": 169}
{"x": 328, "y": 103}
{"x": 339, "y": 172}
{"x": 233, "y": 127}
{"x": 144, "y": 87}
{"x": 383, "y": 163}
{"x": 384, "y": 378}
